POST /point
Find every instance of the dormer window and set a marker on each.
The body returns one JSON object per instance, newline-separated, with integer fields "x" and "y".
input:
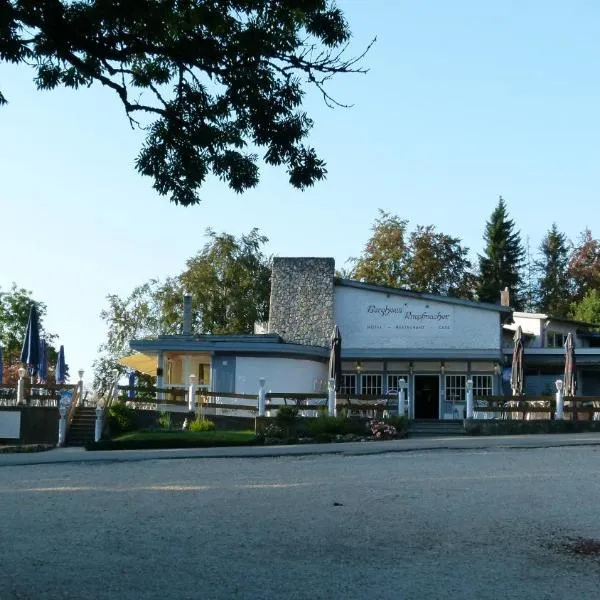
{"x": 554, "y": 339}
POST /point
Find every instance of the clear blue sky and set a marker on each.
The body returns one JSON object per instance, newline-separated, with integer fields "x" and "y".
{"x": 465, "y": 101}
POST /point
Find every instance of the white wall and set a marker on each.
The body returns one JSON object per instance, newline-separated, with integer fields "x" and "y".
{"x": 369, "y": 319}
{"x": 292, "y": 375}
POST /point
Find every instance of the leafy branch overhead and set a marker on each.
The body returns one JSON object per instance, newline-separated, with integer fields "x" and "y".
{"x": 211, "y": 81}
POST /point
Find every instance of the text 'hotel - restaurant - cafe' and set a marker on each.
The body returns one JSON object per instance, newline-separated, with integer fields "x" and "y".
{"x": 434, "y": 343}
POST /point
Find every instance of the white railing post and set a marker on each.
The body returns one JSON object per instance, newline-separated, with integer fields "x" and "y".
{"x": 98, "y": 427}
{"x": 192, "y": 394}
{"x": 80, "y": 391}
{"x": 62, "y": 424}
{"x": 470, "y": 411}
{"x": 331, "y": 398}
{"x": 21, "y": 386}
{"x": 560, "y": 400}
{"x": 262, "y": 395}
{"x": 401, "y": 397}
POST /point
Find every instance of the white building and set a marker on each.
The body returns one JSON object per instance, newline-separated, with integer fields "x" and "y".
{"x": 434, "y": 343}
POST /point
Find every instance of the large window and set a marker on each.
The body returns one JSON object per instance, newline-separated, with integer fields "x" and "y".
{"x": 348, "y": 384}
{"x": 456, "y": 387}
{"x": 371, "y": 384}
{"x": 393, "y": 385}
{"x": 482, "y": 386}
{"x": 554, "y": 339}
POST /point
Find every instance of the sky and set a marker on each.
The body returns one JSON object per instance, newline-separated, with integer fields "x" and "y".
{"x": 464, "y": 101}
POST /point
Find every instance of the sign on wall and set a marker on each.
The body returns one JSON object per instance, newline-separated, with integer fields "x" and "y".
{"x": 411, "y": 317}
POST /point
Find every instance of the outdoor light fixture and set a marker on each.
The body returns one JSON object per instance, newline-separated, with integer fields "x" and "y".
{"x": 411, "y": 366}
{"x": 358, "y": 365}
{"x": 496, "y": 369}
{"x": 80, "y": 373}
{"x": 559, "y": 385}
{"x": 22, "y": 372}
{"x": 442, "y": 367}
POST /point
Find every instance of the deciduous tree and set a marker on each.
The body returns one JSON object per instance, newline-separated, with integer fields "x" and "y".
{"x": 229, "y": 280}
{"x": 584, "y": 265}
{"x": 212, "y": 82}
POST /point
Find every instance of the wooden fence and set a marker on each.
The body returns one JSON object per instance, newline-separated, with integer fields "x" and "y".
{"x": 537, "y": 407}
{"x": 153, "y": 398}
{"x": 35, "y": 395}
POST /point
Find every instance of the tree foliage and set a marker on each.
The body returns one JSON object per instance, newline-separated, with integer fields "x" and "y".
{"x": 584, "y": 265}
{"x": 424, "y": 260}
{"x": 211, "y": 81}
{"x": 588, "y": 308}
{"x": 384, "y": 259}
{"x": 553, "y": 286}
{"x": 501, "y": 262}
{"x": 14, "y": 314}
{"x": 229, "y": 280}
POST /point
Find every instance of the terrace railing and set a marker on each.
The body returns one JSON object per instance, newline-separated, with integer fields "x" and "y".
{"x": 536, "y": 407}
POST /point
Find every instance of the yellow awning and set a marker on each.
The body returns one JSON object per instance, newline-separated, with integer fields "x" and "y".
{"x": 144, "y": 363}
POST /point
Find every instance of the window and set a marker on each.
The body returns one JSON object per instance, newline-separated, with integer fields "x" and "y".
{"x": 482, "y": 385}
{"x": 554, "y": 339}
{"x": 371, "y": 384}
{"x": 348, "y": 384}
{"x": 456, "y": 386}
{"x": 393, "y": 385}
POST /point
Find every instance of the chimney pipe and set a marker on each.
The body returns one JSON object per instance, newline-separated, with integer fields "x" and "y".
{"x": 187, "y": 314}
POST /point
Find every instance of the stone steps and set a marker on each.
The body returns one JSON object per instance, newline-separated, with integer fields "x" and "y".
{"x": 434, "y": 428}
{"x": 82, "y": 427}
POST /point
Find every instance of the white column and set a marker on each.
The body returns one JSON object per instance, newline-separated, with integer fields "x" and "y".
{"x": 21, "y": 386}
{"x": 192, "y": 394}
{"x": 80, "y": 388}
{"x": 331, "y": 398}
{"x": 62, "y": 424}
{"x": 470, "y": 411}
{"x": 187, "y": 368}
{"x": 401, "y": 397}
{"x": 560, "y": 400}
{"x": 98, "y": 427}
{"x": 262, "y": 395}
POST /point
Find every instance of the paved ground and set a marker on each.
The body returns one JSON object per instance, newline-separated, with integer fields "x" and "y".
{"x": 488, "y": 521}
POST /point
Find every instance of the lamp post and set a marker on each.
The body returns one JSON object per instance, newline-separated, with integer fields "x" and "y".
{"x": 402, "y": 385}
{"x": 80, "y": 384}
{"x": 21, "y": 385}
{"x": 560, "y": 400}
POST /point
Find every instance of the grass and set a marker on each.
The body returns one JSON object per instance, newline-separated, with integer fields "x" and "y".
{"x": 146, "y": 440}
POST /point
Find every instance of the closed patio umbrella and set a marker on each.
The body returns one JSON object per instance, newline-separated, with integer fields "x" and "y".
{"x": 131, "y": 391}
{"x": 60, "y": 372}
{"x": 335, "y": 358}
{"x": 42, "y": 367}
{"x": 570, "y": 382}
{"x": 516, "y": 373}
{"x": 30, "y": 353}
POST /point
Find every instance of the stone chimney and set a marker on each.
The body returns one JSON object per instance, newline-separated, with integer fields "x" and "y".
{"x": 187, "y": 314}
{"x": 301, "y": 306}
{"x": 505, "y": 297}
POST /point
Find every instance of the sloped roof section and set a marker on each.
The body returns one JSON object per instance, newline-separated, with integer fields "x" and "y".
{"x": 505, "y": 310}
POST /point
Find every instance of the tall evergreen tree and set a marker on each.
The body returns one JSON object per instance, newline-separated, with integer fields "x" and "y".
{"x": 553, "y": 289}
{"x": 500, "y": 265}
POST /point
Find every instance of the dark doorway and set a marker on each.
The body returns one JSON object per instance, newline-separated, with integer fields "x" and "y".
{"x": 427, "y": 397}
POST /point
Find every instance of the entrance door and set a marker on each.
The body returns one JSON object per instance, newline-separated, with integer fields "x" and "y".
{"x": 427, "y": 397}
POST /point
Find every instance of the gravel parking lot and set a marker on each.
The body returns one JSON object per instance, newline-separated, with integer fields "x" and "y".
{"x": 499, "y": 523}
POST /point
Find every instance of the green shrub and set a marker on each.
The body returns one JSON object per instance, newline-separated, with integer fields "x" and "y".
{"x": 164, "y": 420}
{"x": 400, "y": 423}
{"x": 121, "y": 419}
{"x": 201, "y": 425}
{"x": 324, "y": 426}
{"x": 286, "y": 419}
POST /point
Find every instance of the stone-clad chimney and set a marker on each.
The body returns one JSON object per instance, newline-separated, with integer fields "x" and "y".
{"x": 187, "y": 314}
{"x": 301, "y": 307}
